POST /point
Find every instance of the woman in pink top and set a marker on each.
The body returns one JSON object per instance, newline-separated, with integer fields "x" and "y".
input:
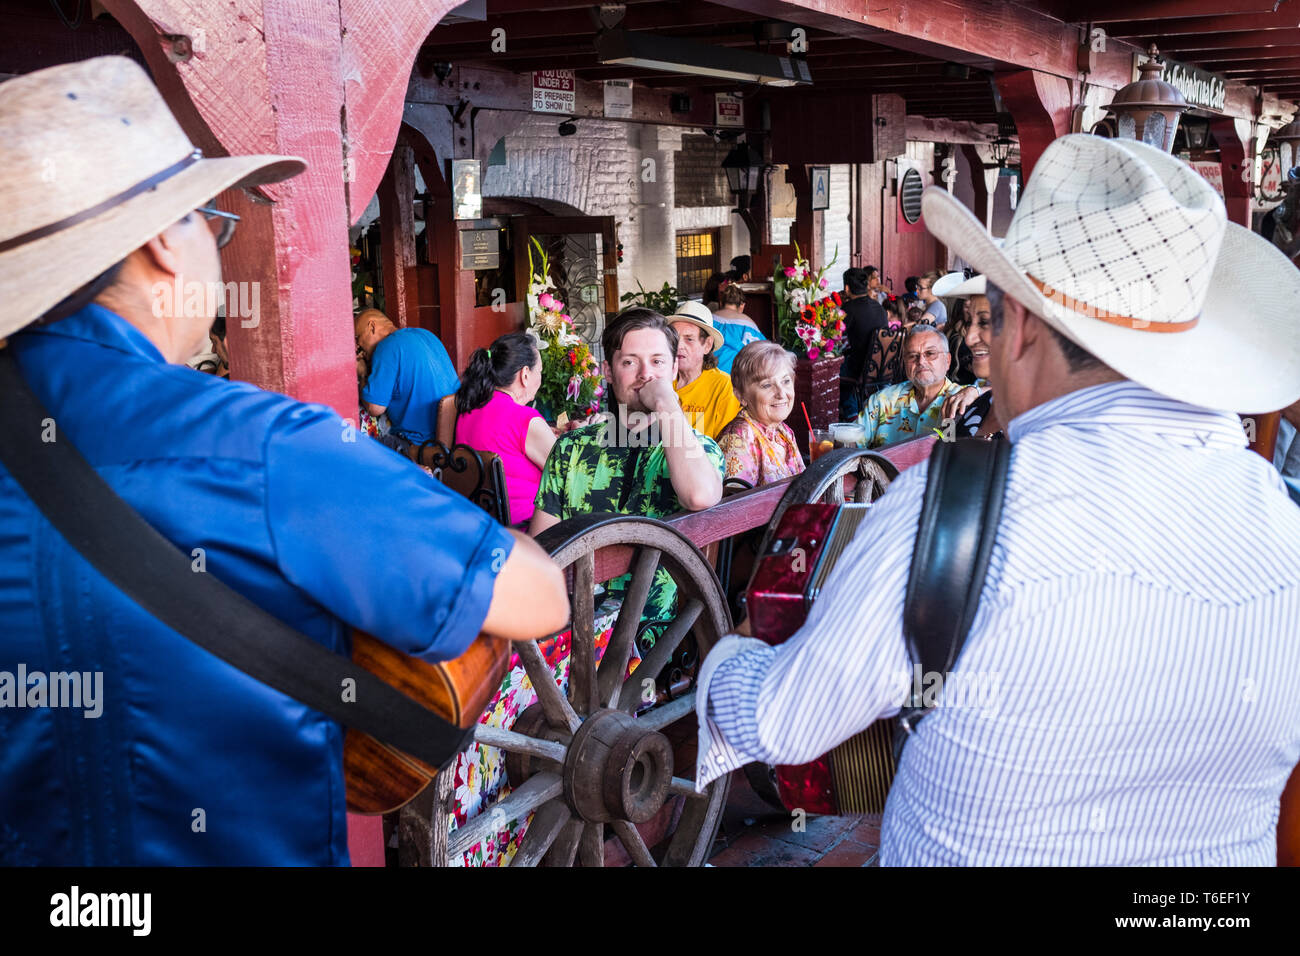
{"x": 493, "y": 415}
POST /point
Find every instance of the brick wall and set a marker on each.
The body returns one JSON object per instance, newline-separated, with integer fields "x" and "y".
{"x": 699, "y": 179}
{"x": 627, "y": 171}
{"x": 837, "y": 229}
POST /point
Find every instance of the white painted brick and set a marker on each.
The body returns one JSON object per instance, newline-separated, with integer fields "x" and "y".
{"x": 837, "y": 229}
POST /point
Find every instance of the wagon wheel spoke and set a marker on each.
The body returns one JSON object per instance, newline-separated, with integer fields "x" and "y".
{"x": 632, "y": 842}
{"x": 582, "y": 653}
{"x": 673, "y": 711}
{"x": 698, "y": 816}
{"x": 659, "y": 655}
{"x": 591, "y": 850}
{"x": 613, "y": 666}
{"x": 556, "y": 707}
{"x": 686, "y": 788}
{"x": 547, "y": 823}
{"x": 532, "y": 794}
{"x": 565, "y": 846}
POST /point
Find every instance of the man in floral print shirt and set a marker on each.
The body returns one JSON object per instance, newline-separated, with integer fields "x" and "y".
{"x": 915, "y": 407}
{"x": 645, "y": 459}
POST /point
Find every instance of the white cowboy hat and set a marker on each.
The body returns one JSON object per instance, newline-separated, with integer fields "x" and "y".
{"x": 95, "y": 165}
{"x": 697, "y": 313}
{"x": 1128, "y": 252}
{"x": 944, "y": 285}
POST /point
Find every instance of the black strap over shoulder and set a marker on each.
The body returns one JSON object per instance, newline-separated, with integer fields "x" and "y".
{"x": 154, "y": 573}
{"x": 959, "y": 521}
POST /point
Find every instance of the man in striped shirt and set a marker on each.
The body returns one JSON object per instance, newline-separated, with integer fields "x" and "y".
{"x": 1140, "y": 619}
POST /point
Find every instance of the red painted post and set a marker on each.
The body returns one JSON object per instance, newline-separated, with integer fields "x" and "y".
{"x": 397, "y": 225}
{"x": 1040, "y": 104}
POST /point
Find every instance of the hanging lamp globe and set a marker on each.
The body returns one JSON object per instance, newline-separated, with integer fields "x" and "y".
{"x": 1148, "y": 109}
{"x": 1287, "y": 140}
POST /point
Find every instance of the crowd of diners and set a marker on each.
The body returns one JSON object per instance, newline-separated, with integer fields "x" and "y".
{"x": 694, "y": 399}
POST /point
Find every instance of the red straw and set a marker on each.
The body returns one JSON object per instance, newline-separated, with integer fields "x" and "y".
{"x": 806, "y": 418}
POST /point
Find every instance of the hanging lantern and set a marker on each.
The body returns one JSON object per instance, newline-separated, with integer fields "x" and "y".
{"x": 1148, "y": 108}
{"x": 1287, "y": 140}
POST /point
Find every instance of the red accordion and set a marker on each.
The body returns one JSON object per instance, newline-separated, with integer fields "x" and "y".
{"x": 855, "y": 776}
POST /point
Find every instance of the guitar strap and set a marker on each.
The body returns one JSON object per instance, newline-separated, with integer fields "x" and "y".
{"x": 959, "y": 520}
{"x": 158, "y": 576}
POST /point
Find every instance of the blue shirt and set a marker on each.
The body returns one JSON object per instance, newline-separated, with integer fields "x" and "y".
{"x": 735, "y": 336}
{"x": 191, "y": 761}
{"x": 1129, "y": 692}
{"x": 410, "y": 372}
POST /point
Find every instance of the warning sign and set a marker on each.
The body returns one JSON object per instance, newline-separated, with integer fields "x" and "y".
{"x": 727, "y": 110}
{"x": 555, "y": 91}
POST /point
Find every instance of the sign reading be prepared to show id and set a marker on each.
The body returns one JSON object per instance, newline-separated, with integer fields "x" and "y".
{"x": 555, "y": 91}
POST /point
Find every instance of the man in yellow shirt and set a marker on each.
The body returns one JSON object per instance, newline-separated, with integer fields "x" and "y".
{"x": 703, "y": 389}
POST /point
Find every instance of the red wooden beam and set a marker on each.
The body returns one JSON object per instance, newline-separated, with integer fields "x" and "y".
{"x": 270, "y": 76}
{"x": 1257, "y": 54}
{"x": 1106, "y": 11}
{"x": 561, "y": 20}
{"x": 1230, "y": 41}
{"x": 1284, "y": 19}
{"x": 1041, "y": 106}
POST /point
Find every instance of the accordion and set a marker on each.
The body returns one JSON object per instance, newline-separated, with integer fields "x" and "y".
{"x": 855, "y": 776}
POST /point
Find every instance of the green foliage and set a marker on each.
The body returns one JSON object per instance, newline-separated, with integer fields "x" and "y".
{"x": 664, "y": 301}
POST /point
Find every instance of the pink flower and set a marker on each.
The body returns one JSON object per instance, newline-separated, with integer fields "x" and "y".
{"x": 599, "y": 391}
{"x": 790, "y": 272}
{"x": 546, "y": 301}
{"x": 822, "y": 284}
{"x": 813, "y": 353}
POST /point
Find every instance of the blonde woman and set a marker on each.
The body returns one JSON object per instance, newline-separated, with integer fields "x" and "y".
{"x": 757, "y": 445}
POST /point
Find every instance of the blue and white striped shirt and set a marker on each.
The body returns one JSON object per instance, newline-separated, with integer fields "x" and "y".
{"x": 1136, "y": 653}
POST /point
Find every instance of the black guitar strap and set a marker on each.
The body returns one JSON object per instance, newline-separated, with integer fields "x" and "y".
{"x": 959, "y": 520}
{"x": 158, "y": 576}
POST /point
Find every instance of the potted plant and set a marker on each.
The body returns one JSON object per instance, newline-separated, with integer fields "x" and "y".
{"x": 571, "y": 380}
{"x": 664, "y": 301}
{"x": 810, "y": 323}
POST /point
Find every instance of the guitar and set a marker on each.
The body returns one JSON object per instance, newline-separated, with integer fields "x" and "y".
{"x": 380, "y": 778}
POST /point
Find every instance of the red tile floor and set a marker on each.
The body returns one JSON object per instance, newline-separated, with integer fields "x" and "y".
{"x": 753, "y": 833}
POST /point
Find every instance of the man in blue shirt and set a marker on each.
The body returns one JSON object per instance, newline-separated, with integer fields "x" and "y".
{"x": 181, "y": 759}
{"x": 410, "y": 372}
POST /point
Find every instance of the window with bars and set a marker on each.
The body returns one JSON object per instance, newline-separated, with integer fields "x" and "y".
{"x": 697, "y": 259}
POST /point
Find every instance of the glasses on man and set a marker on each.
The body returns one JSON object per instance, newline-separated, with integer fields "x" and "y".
{"x": 225, "y": 230}
{"x": 930, "y": 355}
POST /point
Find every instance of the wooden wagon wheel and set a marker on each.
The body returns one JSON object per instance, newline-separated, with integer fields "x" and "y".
{"x": 825, "y": 480}
{"x": 596, "y": 758}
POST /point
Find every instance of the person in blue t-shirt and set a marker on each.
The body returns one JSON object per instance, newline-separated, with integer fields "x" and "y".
{"x": 273, "y": 497}
{"x": 410, "y": 372}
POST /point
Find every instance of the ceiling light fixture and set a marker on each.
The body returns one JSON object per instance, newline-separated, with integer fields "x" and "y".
{"x": 674, "y": 55}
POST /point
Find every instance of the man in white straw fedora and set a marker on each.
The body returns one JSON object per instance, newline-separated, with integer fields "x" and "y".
{"x": 1140, "y": 617}
{"x": 168, "y": 755}
{"x": 703, "y": 389}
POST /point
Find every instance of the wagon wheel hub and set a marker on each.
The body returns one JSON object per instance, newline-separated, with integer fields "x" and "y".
{"x": 616, "y": 770}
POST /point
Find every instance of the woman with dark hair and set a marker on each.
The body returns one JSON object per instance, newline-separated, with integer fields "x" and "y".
{"x": 958, "y": 323}
{"x": 493, "y": 415}
{"x": 712, "y": 294}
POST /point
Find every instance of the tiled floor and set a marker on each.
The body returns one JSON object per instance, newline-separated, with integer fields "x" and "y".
{"x": 756, "y": 834}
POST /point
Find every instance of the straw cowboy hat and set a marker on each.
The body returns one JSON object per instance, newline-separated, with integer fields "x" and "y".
{"x": 697, "y": 313}
{"x": 95, "y": 165}
{"x": 1128, "y": 252}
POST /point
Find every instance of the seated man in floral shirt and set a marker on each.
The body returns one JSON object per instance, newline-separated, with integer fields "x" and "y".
{"x": 644, "y": 459}
{"x": 913, "y": 408}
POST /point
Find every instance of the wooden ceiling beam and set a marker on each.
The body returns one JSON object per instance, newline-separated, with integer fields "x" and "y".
{"x": 1108, "y": 11}
{"x": 1211, "y": 59}
{"x": 1232, "y": 41}
{"x": 1284, "y": 19}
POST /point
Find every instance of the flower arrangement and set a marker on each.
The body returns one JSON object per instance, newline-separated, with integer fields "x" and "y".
{"x": 571, "y": 379}
{"x": 811, "y": 323}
